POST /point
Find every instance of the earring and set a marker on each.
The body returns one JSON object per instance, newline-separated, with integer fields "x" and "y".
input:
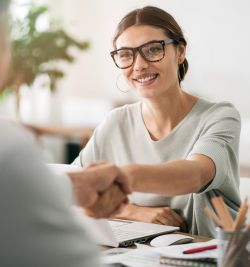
{"x": 118, "y": 80}
{"x": 179, "y": 76}
{"x": 184, "y": 71}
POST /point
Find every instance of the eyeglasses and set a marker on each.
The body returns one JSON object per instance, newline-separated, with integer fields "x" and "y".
{"x": 152, "y": 51}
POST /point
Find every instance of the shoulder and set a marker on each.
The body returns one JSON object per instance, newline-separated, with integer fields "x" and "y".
{"x": 122, "y": 115}
{"x": 21, "y": 161}
{"x": 117, "y": 121}
{"x": 218, "y": 110}
{"x": 13, "y": 137}
{"x": 125, "y": 110}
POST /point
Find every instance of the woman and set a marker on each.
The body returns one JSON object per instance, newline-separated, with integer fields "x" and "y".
{"x": 177, "y": 149}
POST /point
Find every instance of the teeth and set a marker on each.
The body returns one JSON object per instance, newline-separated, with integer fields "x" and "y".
{"x": 142, "y": 80}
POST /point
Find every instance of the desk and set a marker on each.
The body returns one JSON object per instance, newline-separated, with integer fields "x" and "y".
{"x": 197, "y": 238}
{"x": 80, "y": 133}
{"x": 145, "y": 257}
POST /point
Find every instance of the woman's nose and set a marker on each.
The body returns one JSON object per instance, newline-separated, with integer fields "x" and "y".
{"x": 140, "y": 63}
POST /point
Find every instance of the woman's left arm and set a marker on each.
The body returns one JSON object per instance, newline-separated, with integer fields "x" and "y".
{"x": 213, "y": 159}
{"x": 172, "y": 178}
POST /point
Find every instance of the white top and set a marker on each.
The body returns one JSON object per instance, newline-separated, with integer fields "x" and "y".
{"x": 211, "y": 129}
{"x": 38, "y": 226}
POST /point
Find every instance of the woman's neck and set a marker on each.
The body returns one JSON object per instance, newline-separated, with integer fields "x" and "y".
{"x": 162, "y": 115}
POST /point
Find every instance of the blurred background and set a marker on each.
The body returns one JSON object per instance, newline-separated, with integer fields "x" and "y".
{"x": 64, "y": 98}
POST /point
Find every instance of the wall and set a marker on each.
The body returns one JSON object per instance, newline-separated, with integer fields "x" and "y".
{"x": 218, "y": 41}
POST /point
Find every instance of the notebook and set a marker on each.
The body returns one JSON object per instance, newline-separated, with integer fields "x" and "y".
{"x": 173, "y": 255}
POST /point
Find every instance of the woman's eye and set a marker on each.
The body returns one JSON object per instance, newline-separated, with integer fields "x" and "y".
{"x": 154, "y": 49}
{"x": 125, "y": 55}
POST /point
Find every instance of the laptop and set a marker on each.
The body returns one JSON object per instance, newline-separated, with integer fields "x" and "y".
{"x": 122, "y": 233}
{"x": 115, "y": 233}
{"x": 126, "y": 233}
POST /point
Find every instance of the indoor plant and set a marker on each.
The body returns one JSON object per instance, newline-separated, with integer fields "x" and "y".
{"x": 34, "y": 51}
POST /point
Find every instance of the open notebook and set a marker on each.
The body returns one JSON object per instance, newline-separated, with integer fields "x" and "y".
{"x": 115, "y": 233}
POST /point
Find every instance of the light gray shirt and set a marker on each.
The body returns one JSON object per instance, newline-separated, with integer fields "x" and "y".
{"x": 211, "y": 129}
{"x": 38, "y": 226}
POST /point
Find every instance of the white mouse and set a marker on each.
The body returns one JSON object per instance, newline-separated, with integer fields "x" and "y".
{"x": 170, "y": 239}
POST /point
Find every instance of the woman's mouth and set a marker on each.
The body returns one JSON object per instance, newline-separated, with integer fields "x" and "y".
{"x": 146, "y": 79}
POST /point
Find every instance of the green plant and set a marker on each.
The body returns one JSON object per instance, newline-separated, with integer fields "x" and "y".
{"x": 34, "y": 50}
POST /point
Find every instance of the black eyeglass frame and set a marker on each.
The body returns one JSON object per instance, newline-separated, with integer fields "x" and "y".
{"x": 139, "y": 49}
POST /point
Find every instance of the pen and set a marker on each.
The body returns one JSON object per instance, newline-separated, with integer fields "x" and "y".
{"x": 199, "y": 249}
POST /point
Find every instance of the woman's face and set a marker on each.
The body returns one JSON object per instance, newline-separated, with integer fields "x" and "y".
{"x": 4, "y": 54}
{"x": 151, "y": 79}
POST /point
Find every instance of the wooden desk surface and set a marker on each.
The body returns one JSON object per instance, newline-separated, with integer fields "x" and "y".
{"x": 197, "y": 238}
{"x": 81, "y": 133}
{"x": 60, "y": 130}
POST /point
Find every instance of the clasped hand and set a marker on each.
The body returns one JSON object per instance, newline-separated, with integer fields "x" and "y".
{"x": 100, "y": 189}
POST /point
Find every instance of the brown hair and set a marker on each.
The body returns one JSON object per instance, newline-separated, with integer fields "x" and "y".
{"x": 159, "y": 18}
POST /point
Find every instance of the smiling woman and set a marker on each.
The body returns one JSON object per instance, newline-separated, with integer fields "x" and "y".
{"x": 148, "y": 69}
{"x": 177, "y": 149}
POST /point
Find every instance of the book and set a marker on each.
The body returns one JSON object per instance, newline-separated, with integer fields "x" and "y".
{"x": 186, "y": 262}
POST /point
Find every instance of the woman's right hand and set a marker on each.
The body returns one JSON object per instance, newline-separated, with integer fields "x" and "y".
{"x": 159, "y": 215}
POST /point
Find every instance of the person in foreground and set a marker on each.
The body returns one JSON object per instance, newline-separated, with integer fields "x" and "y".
{"x": 177, "y": 149}
{"x": 38, "y": 225}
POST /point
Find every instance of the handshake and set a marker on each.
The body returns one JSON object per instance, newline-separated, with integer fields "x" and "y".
{"x": 101, "y": 189}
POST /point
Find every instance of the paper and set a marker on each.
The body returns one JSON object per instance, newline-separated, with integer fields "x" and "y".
{"x": 114, "y": 251}
{"x": 142, "y": 246}
{"x": 58, "y": 168}
{"x": 135, "y": 258}
{"x": 177, "y": 251}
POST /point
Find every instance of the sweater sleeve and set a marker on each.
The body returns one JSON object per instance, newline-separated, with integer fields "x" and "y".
{"x": 219, "y": 140}
{"x": 38, "y": 225}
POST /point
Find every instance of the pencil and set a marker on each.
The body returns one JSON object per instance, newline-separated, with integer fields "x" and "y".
{"x": 241, "y": 215}
{"x": 226, "y": 214}
{"x": 199, "y": 249}
{"x": 213, "y": 216}
{"x": 222, "y": 212}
